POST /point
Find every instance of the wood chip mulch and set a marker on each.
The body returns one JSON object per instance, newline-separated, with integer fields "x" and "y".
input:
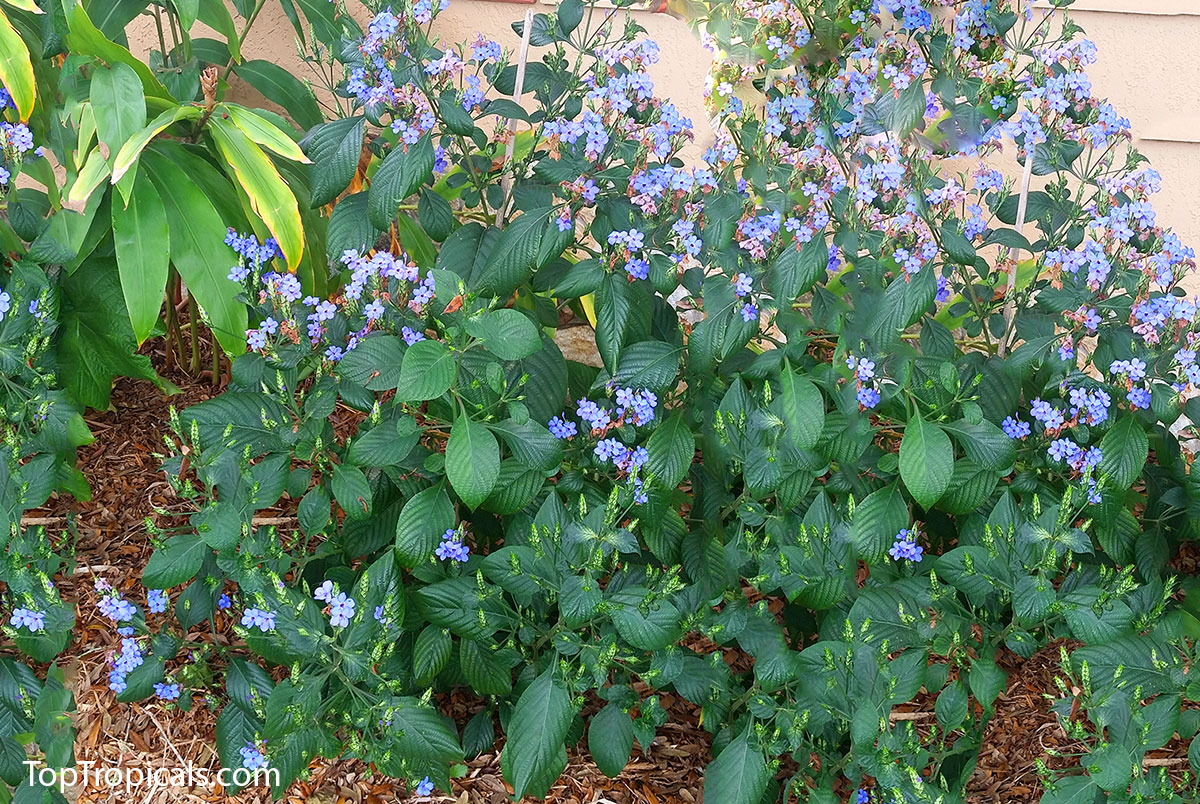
{"x": 112, "y": 543}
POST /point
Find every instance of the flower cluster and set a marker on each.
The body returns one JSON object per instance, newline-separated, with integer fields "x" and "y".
{"x": 263, "y": 620}
{"x": 905, "y": 547}
{"x": 341, "y": 605}
{"x": 452, "y": 547}
{"x": 28, "y": 618}
{"x": 865, "y": 380}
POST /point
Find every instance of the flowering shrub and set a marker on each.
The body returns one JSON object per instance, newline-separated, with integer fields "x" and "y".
{"x": 854, "y": 437}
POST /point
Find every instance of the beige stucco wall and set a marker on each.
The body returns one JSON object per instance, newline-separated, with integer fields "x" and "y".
{"x": 1146, "y": 67}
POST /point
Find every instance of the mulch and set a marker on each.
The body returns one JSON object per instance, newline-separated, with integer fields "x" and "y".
{"x": 131, "y": 499}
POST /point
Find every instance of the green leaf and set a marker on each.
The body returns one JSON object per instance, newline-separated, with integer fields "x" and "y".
{"x": 1124, "y": 449}
{"x": 141, "y": 239}
{"x": 270, "y": 196}
{"x": 196, "y": 228}
{"x": 534, "y": 754}
{"x": 335, "y": 149}
{"x": 421, "y": 733}
{"x": 402, "y": 172}
{"x": 427, "y": 372}
{"x": 984, "y": 443}
{"x": 436, "y": 215}
{"x": 384, "y": 445}
{"x": 16, "y": 70}
{"x": 795, "y": 271}
{"x": 1072, "y": 790}
{"x": 96, "y": 342}
{"x": 610, "y": 739}
{"x": 119, "y": 106}
{"x": 951, "y": 705}
{"x": 236, "y": 728}
{"x": 176, "y": 561}
{"x": 987, "y": 681}
{"x": 926, "y": 461}
{"x": 518, "y": 252}
{"x": 570, "y": 14}
{"x": 877, "y": 520}
{"x": 215, "y": 15}
{"x": 472, "y": 461}
{"x": 349, "y": 227}
{"x": 655, "y": 628}
{"x": 352, "y": 491}
{"x": 374, "y": 364}
{"x": 738, "y": 775}
{"x": 506, "y": 333}
{"x": 283, "y": 88}
{"x": 803, "y": 409}
{"x": 672, "y": 448}
{"x": 422, "y": 521}
{"x": 85, "y": 39}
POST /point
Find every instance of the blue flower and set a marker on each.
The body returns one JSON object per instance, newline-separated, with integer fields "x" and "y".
{"x": 410, "y": 335}
{"x": 1015, "y": 428}
{"x": 425, "y": 788}
{"x": 257, "y": 618}
{"x": 593, "y": 414}
{"x": 156, "y": 601}
{"x": 29, "y": 618}
{"x": 252, "y": 757}
{"x": 166, "y": 692}
{"x": 341, "y": 609}
{"x": 867, "y": 397}
{"x": 116, "y": 608}
{"x": 905, "y": 547}
{"x": 561, "y": 428}
{"x": 325, "y": 592}
{"x": 452, "y": 547}
{"x": 224, "y": 601}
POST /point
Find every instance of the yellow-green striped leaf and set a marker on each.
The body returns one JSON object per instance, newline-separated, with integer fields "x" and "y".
{"x": 16, "y": 70}
{"x": 269, "y": 194}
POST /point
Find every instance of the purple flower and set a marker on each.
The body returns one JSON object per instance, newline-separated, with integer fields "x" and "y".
{"x": 452, "y": 547}
{"x": 1139, "y": 398}
{"x": 256, "y": 339}
{"x": 116, "y": 608}
{"x": 1047, "y": 414}
{"x": 638, "y": 268}
{"x": 374, "y": 310}
{"x": 749, "y": 312}
{"x": 425, "y": 787}
{"x": 325, "y": 592}
{"x": 410, "y": 335}
{"x": 423, "y": 293}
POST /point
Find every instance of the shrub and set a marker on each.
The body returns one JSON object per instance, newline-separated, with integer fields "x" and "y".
{"x": 854, "y": 437}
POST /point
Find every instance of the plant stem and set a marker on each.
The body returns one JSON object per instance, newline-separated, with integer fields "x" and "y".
{"x": 216, "y": 360}
{"x": 1010, "y": 301}
{"x": 242, "y": 38}
{"x": 194, "y": 319}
